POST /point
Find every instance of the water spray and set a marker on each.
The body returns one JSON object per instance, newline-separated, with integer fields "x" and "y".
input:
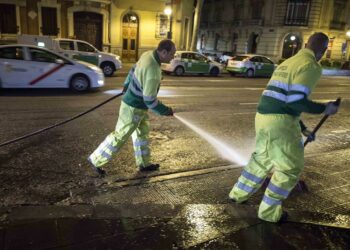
{"x": 222, "y": 148}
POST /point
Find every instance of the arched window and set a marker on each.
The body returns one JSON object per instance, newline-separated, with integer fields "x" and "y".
{"x": 291, "y": 45}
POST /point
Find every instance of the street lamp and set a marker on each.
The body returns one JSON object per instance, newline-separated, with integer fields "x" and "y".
{"x": 168, "y": 11}
{"x": 348, "y": 33}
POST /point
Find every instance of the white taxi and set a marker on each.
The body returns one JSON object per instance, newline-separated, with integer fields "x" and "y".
{"x": 189, "y": 62}
{"x": 250, "y": 65}
{"x": 26, "y": 66}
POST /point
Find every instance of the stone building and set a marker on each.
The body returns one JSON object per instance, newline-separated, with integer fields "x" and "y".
{"x": 123, "y": 27}
{"x": 276, "y": 28}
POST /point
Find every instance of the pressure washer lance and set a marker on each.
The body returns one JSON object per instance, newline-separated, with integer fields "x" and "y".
{"x": 301, "y": 185}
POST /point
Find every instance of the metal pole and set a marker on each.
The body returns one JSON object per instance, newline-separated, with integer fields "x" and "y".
{"x": 170, "y": 32}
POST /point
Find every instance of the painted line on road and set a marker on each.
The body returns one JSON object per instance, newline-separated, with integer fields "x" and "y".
{"x": 168, "y": 176}
{"x": 327, "y": 92}
{"x": 248, "y": 103}
{"x": 340, "y": 131}
{"x": 254, "y": 88}
{"x": 162, "y": 93}
{"x": 222, "y": 80}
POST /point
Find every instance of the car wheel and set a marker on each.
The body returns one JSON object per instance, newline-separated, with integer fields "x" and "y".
{"x": 79, "y": 83}
{"x": 214, "y": 71}
{"x": 107, "y": 68}
{"x": 250, "y": 73}
{"x": 179, "y": 71}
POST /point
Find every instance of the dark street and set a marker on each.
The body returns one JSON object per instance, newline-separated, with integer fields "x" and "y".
{"x": 50, "y": 169}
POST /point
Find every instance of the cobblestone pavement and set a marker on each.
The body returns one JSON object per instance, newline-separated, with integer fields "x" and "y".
{"x": 188, "y": 210}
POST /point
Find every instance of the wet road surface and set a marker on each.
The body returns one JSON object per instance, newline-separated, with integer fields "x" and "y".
{"x": 51, "y": 169}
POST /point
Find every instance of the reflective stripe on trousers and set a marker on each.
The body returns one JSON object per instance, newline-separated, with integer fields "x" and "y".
{"x": 278, "y": 146}
{"x": 131, "y": 122}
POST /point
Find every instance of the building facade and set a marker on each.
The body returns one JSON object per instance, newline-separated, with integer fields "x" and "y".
{"x": 123, "y": 27}
{"x": 275, "y": 28}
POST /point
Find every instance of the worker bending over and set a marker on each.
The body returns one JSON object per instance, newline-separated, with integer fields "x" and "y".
{"x": 279, "y": 142}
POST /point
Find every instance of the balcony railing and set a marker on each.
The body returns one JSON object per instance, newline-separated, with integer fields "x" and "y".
{"x": 296, "y": 21}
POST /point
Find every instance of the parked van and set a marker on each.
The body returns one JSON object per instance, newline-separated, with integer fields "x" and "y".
{"x": 75, "y": 49}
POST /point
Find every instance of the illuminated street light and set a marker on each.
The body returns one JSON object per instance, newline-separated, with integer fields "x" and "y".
{"x": 348, "y": 33}
{"x": 292, "y": 38}
{"x": 167, "y": 10}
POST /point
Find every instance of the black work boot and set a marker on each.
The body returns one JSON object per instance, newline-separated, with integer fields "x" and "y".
{"x": 284, "y": 217}
{"x": 151, "y": 167}
{"x": 100, "y": 171}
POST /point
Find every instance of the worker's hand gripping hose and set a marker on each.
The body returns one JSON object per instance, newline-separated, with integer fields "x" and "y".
{"x": 324, "y": 118}
{"x": 59, "y": 123}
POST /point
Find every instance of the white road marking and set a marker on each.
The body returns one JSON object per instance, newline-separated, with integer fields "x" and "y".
{"x": 198, "y": 80}
{"x": 162, "y": 93}
{"x": 248, "y": 103}
{"x": 254, "y": 88}
{"x": 222, "y": 80}
{"x": 340, "y": 131}
{"x": 327, "y": 92}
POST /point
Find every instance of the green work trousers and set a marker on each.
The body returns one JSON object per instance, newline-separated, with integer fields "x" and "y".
{"x": 279, "y": 146}
{"x": 131, "y": 121}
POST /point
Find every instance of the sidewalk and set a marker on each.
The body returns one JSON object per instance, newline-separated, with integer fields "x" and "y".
{"x": 187, "y": 210}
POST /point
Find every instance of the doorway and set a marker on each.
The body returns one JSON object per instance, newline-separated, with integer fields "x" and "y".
{"x": 88, "y": 27}
{"x": 130, "y": 37}
{"x": 291, "y": 45}
{"x": 252, "y": 43}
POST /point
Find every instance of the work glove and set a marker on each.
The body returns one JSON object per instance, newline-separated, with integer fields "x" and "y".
{"x": 309, "y": 135}
{"x": 170, "y": 112}
{"x": 331, "y": 108}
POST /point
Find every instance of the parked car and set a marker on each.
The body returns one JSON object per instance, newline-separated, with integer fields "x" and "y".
{"x": 26, "y": 66}
{"x": 75, "y": 49}
{"x": 251, "y": 65}
{"x": 212, "y": 56}
{"x": 188, "y": 62}
{"x": 226, "y": 56}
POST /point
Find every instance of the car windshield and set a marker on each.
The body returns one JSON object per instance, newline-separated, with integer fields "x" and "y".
{"x": 239, "y": 58}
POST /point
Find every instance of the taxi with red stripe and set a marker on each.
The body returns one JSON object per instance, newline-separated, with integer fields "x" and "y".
{"x": 26, "y": 66}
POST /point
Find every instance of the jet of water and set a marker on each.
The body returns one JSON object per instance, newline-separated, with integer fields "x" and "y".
{"x": 223, "y": 149}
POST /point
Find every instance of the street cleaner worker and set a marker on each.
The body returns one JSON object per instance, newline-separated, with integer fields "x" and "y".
{"x": 279, "y": 142}
{"x": 140, "y": 94}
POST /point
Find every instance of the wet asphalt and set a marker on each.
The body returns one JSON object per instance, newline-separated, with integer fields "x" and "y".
{"x": 52, "y": 200}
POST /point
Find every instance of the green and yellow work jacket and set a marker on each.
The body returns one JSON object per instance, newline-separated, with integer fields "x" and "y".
{"x": 142, "y": 84}
{"x": 290, "y": 85}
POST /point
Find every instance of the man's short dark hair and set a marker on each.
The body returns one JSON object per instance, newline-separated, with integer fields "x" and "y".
{"x": 166, "y": 44}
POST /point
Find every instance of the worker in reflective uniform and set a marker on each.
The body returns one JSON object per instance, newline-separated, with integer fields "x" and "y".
{"x": 141, "y": 89}
{"x": 279, "y": 142}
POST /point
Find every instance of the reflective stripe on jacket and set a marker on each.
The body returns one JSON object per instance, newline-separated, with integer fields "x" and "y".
{"x": 290, "y": 85}
{"x": 143, "y": 82}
